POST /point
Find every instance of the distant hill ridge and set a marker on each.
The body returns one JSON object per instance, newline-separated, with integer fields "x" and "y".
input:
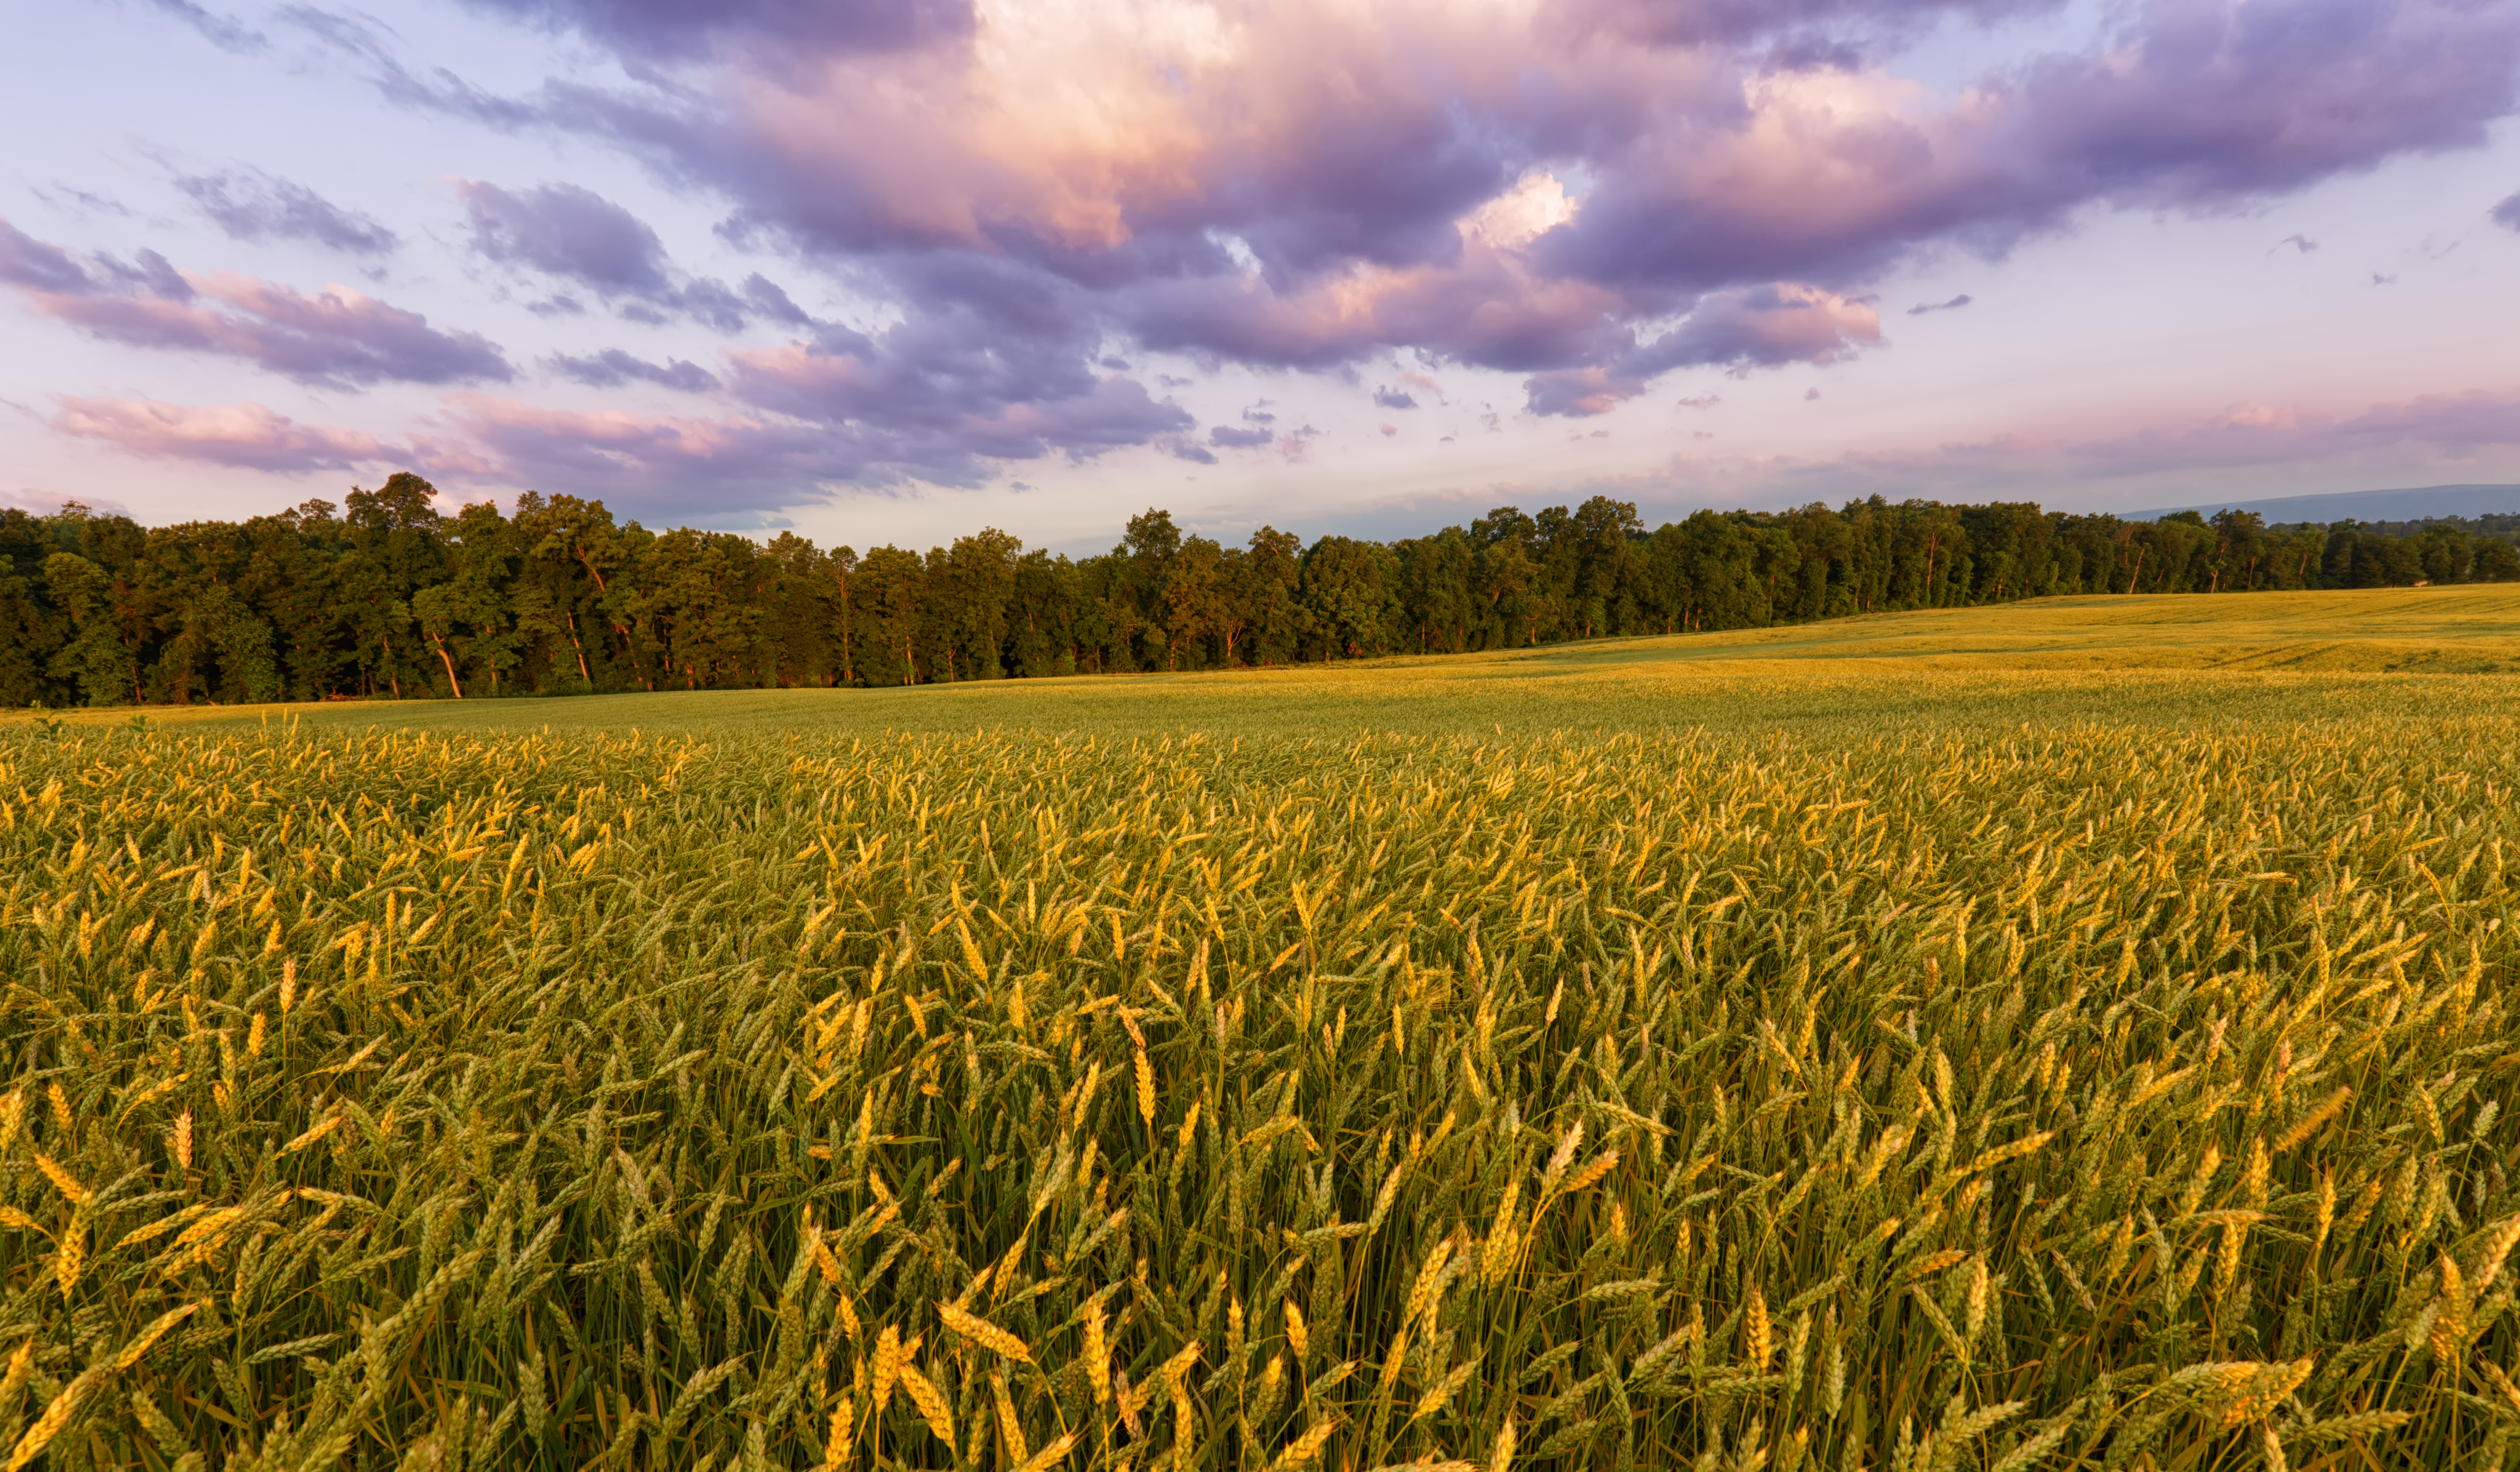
{"x": 2415, "y": 504}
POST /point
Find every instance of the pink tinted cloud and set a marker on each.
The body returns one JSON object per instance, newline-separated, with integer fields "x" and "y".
{"x": 1323, "y": 137}
{"x": 337, "y": 337}
{"x": 2432, "y": 434}
{"x": 249, "y": 435}
{"x": 2192, "y": 105}
{"x": 1533, "y": 188}
{"x": 2246, "y": 435}
{"x": 51, "y": 503}
{"x": 639, "y": 461}
{"x": 644, "y": 460}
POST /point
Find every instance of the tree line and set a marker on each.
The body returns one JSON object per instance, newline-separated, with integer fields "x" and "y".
{"x": 387, "y": 597}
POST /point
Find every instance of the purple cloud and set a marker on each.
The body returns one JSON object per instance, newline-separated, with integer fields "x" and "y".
{"x": 1700, "y": 22}
{"x": 1955, "y": 304}
{"x": 37, "y": 266}
{"x": 2196, "y": 109}
{"x": 439, "y": 91}
{"x": 1002, "y": 374}
{"x": 1487, "y": 313}
{"x": 253, "y": 205}
{"x": 670, "y": 31}
{"x": 1587, "y": 196}
{"x": 1761, "y": 326}
{"x": 747, "y": 462}
{"x": 570, "y": 232}
{"x": 995, "y": 340}
{"x": 81, "y": 202}
{"x": 1766, "y": 327}
{"x": 337, "y": 338}
{"x": 573, "y": 233}
{"x": 612, "y": 367}
{"x": 217, "y": 29}
{"x": 1245, "y": 223}
{"x": 2508, "y": 212}
{"x": 729, "y": 309}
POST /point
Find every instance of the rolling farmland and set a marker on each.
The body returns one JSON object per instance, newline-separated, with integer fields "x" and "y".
{"x": 2062, "y": 1036}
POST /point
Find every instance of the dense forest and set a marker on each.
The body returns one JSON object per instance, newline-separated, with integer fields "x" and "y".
{"x": 389, "y": 597}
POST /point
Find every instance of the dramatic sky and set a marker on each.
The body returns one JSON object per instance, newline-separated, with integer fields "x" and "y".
{"x": 896, "y": 269}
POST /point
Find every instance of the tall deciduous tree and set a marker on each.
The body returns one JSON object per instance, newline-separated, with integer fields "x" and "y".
{"x": 389, "y": 597}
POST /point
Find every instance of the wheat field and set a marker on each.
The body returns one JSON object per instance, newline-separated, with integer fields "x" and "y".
{"x": 2002, "y": 1095}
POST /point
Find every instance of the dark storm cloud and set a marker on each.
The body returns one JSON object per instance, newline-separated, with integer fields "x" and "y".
{"x": 253, "y": 205}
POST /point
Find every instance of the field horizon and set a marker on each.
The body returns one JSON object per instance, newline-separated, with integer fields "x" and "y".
{"x": 2143, "y": 657}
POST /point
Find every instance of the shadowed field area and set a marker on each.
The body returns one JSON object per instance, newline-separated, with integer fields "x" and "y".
{"x": 2145, "y": 661}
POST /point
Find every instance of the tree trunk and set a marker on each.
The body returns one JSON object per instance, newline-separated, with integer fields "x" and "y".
{"x": 580, "y": 648}
{"x": 440, "y": 646}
